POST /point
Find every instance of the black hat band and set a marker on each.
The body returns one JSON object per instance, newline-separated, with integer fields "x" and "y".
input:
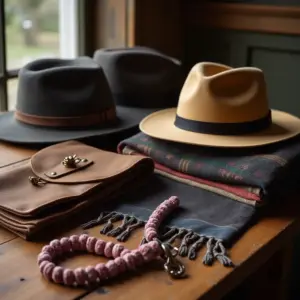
{"x": 224, "y": 128}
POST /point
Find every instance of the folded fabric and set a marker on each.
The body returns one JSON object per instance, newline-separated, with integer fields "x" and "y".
{"x": 251, "y": 175}
{"x": 63, "y": 181}
{"x": 219, "y": 192}
{"x": 245, "y": 194}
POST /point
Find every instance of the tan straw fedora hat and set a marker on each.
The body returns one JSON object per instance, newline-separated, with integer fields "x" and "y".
{"x": 223, "y": 107}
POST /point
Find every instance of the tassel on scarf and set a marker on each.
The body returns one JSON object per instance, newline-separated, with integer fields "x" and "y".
{"x": 116, "y": 231}
{"x": 170, "y": 232}
{"x": 195, "y": 248}
{"x": 104, "y": 216}
{"x": 109, "y": 225}
{"x": 219, "y": 252}
{"x": 180, "y": 233}
{"x": 216, "y": 250}
{"x": 125, "y": 234}
{"x": 208, "y": 258}
{"x": 191, "y": 242}
{"x": 186, "y": 241}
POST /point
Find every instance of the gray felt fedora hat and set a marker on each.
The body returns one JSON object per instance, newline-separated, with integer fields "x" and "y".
{"x": 141, "y": 78}
{"x": 64, "y": 99}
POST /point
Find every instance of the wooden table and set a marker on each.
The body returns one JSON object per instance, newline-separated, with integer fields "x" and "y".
{"x": 262, "y": 257}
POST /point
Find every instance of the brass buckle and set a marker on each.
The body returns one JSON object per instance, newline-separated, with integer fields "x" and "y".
{"x": 71, "y": 161}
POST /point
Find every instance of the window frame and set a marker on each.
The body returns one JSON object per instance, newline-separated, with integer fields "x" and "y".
{"x": 3, "y": 71}
{"x": 132, "y": 22}
{"x": 73, "y": 24}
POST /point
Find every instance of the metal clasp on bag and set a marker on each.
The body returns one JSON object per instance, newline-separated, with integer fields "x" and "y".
{"x": 172, "y": 265}
{"x": 71, "y": 161}
{"x": 36, "y": 181}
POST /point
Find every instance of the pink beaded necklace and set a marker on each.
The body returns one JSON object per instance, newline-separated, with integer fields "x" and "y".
{"x": 123, "y": 259}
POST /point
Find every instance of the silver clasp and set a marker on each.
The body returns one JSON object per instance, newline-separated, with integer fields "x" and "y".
{"x": 172, "y": 265}
{"x": 36, "y": 181}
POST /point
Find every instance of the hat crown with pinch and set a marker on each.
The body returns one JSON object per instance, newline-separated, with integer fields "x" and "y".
{"x": 216, "y": 93}
{"x": 221, "y": 106}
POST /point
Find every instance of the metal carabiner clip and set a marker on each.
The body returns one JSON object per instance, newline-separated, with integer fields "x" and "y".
{"x": 173, "y": 266}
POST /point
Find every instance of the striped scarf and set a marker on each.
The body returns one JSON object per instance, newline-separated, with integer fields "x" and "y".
{"x": 220, "y": 192}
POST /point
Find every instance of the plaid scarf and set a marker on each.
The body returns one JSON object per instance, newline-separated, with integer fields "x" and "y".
{"x": 252, "y": 176}
{"x": 219, "y": 189}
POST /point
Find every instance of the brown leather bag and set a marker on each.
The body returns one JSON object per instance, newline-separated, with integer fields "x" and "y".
{"x": 63, "y": 181}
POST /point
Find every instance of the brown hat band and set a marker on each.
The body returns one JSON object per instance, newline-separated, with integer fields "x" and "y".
{"x": 224, "y": 128}
{"x": 102, "y": 117}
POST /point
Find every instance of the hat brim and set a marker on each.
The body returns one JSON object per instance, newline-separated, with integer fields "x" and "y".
{"x": 12, "y": 130}
{"x": 160, "y": 125}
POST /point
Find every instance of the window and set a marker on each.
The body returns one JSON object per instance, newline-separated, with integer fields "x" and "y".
{"x": 33, "y": 29}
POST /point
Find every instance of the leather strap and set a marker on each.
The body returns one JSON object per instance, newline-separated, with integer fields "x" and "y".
{"x": 99, "y": 118}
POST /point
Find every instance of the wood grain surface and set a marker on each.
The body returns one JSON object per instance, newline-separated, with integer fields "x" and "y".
{"x": 246, "y": 17}
{"x": 20, "y": 277}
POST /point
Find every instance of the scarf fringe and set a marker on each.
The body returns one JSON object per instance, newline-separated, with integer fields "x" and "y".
{"x": 191, "y": 242}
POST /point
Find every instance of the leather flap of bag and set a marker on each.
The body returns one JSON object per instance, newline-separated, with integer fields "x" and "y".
{"x": 75, "y": 162}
